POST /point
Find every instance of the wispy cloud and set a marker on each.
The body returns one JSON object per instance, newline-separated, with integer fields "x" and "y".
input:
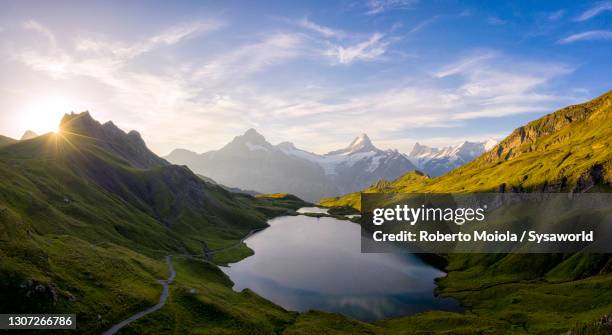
{"x": 187, "y": 101}
{"x": 494, "y": 85}
{"x": 379, "y": 6}
{"x": 424, "y": 24}
{"x": 251, "y": 58}
{"x": 368, "y": 50}
{"x": 597, "y": 9}
{"x": 170, "y": 36}
{"x": 37, "y": 27}
{"x": 344, "y": 47}
{"x": 323, "y": 30}
{"x": 587, "y": 36}
{"x": 495, "y": 21}
{"x": 556, "y": 15}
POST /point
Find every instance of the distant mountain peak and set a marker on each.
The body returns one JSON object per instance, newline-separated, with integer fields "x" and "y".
{"x": 251, "y": 140}
{"x": 252, "y": 136}
{"x": 286, "y": 145}
{"x": 438, "y": 161}
{"x": 28, "y": 135}
{"x": 361, "y": 143}
{"x": 420, "y": 149}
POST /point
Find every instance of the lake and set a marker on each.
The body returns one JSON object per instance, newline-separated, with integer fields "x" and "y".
{"x": 303, "y": 263}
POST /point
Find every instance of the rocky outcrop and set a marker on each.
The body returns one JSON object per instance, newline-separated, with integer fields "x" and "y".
{"x": 130, "y": 146}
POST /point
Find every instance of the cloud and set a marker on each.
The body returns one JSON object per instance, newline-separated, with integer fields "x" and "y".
{"x": 203, "y": 103}
{"x": 423, "y": 24}
{"x": 495, "y": 21}
{"x": 587, "y": 36}
{"x": 325, "y": 31}
{"x": 466, "y": 63}
{"x": 37, "y": 27}
{"x": 368, "y": 50}
{"x": 597, "y": 9}
{"x": 346, "y": 47}
{"x": 556, "y": 15}
{"x": 168, "y": 37}
{"x": 379, "y": 6}
{"x": 252, "y": 58}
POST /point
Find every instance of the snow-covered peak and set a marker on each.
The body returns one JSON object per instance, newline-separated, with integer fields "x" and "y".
{"x": 286, "y": 146}
{"x": 253, "y": 136}
{"x": 251, "y": 140}
{"x": 361, "y": 143}
{"x": 439, "y": 161}
{"x": 419, "y": 150}
{"x": 490, "y": 144}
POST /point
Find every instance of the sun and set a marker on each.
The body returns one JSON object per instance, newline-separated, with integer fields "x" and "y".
{"x": 45, "y": 113}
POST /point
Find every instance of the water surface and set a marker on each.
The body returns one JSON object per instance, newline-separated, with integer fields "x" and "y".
{"x": 312, "y": 210}
{"x": 304, "y": 263}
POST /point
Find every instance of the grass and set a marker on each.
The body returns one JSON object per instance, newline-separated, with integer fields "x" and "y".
{"x": 203, "y": 302}
{"x": 568, "y": 150}
{"x": 84, "y": 230}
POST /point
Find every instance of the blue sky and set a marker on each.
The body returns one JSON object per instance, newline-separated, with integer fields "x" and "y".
{"x": 317, "y": 73}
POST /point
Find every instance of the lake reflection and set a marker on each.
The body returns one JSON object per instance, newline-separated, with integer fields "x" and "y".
{"x": 304, "y": 263}
{"x": 312, "y": 210}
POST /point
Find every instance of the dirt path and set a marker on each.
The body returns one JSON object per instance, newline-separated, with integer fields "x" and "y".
{"x": 162, "y": 301}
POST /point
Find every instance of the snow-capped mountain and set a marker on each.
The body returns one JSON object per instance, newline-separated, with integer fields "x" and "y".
{"x": 358, "y": 165}
{"x": 251, "y": 162}
{"x": 438, "y": 161}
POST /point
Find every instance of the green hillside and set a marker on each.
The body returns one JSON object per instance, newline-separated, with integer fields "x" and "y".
{"x": 87, "y": 216}
{"x": 4, "y": 141}
{"x": 568, "y": 150}
{"x": 85, "y": 223}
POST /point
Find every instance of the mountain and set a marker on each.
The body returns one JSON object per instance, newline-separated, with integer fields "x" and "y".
{"x": 358, "y": 165}
{"x": 251, "y": 162}
{"x": 565, "y": 151}
{"x": 568, "y": 150}
{"x": 4, "y": 140}
{"x": 87, "y": 215}
{"x": 129, "y": 146}
{"x": 28, "y": 135}
{"x": 436, "y": 162}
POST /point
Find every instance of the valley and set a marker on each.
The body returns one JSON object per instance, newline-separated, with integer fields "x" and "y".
{"x": 92, "y": 197}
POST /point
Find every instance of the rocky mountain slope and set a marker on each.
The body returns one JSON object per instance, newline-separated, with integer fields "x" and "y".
{"x": 436, "y": 162}
{"x": 566, "y": 151}
{"x": 87, "y": 214}
{"x": 4, "y": 140}
{"x": 28, "y": 135}
{"x": 251, "y": 162}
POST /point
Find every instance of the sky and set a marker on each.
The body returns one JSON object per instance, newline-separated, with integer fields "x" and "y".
{"x": 317, "y": 73}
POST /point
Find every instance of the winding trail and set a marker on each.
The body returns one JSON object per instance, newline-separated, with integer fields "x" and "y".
{"x": 162, "y": 301}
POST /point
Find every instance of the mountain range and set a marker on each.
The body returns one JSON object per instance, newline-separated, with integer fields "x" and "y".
{"x": 565, "y": 151}
{"x": 438, "y": 161}
{"x": 250, "y": 162}
{"x": 88, "y": 214}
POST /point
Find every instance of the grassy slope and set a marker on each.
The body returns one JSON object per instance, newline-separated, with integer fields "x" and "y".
{"x": 549, "y": 154}
{"x": 83, "y": 231}
{"x": 70, "y": 210}
{"x": 568, "y": 150}
{"x": 4, "y": 141}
